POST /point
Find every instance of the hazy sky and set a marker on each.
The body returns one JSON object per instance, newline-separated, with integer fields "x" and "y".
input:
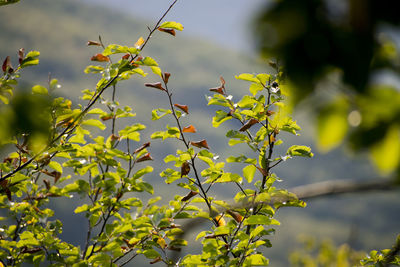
{"x": 221, "y": 21}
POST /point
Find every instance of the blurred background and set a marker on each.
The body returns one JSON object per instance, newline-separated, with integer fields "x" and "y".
{"x": 218, "y": 40}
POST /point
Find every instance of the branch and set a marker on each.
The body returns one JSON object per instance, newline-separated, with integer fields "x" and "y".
{"x": 329, "y": 188}
{"x": 393, "y": 252}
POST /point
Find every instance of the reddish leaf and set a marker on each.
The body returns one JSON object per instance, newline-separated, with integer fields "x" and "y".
{"x": 158, "y": 259}
{"x": 200, "y": 144}
{"x": 182, "y": 107}
{"x": 248, "y": 124}
{"x": 107, "y": 117}
{"x": 142, "y": 147}
{"x": 93, "y": 43}
{"x": 114, "y": 137}
{"x": 170, "y": 31}
{"x": 7, "y": 65}
{"x": 185, "y": 169}
{"x": 21, "y": 53}
{"x": 146, "y": 157}
{"x": 220, "y": 89}
{"x": 263, "y": 171}
{"x": 166, "y": 76}
{"x": 189, "y": 129}
{"x": 189, "y": 196}
{"x": 126, "y": 56}
{"x": 100, "y": 58}
{"x": 47, "y": 183}
{"x": 235, "y": 215}
{"x": 155, "y": 85}
{"x": 270, "y": 112}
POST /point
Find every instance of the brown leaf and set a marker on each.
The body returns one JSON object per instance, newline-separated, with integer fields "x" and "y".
{"x": 155, "y": 85}
{"x": 158, "y": 259}
{"x": 169, "y": 31}
{"x": 263, "y": 171}
{"x": 4, "y": 185}
{"x": 47, "y": 184}
{"x": 270, "y": 112}
{"x": 100, "y": 57}
{"x": 93, "y": 43}
{"x": 248, "y": 124}
{"x": 166, "y": 76}
{"x": 235, "y": 215}
{"x": 182, "y": 107}
{"x": 189, "y": 129}
{"x": 200, "y": 144}
{"x": 21, "y": 53}
{"x": 7, "y": 65}
{"x": 185, "y": 168}
{"x": 146, "y": 157}
{"x": 142, "y": 147}
{"x": 220, "y": 89}
{"x": 126, "y": 56}
{"x": 189, "y": 196}
{"x": 107, "y": 117}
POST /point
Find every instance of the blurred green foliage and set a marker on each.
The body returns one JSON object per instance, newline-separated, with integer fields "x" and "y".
{"x": 334, "y": 51}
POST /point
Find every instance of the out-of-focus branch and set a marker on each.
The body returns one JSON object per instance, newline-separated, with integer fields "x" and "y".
{"x": 329, "y": 188}
{"x": 393, "y": 252}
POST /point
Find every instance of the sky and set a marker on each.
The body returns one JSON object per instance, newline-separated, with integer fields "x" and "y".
{"x": 224, "y": 22}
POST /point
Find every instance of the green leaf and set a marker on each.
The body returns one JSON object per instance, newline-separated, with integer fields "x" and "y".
{"x": 82, "y": 208}
{"x": 220, "y": 117}
{"x": 151, "y": 253}
{"x": 172, "y": 25}
{"x": 116, "y": 49}
{"x": 94, "y": 123}
{"x": 229, "y": 177}
{"x": 148, "y": 61}
{"x": 256, "y": 260}
{"x": 257, "y": 219}
{"x": 157, "y": 114}
{"x": 30, "y": 59}
{"x": 56, "y": 166}
{"x": 386, "y": 153}
{"x": 41, "y": 90}
{"x": 248, "y": 172}
{"x": 300, "y": 151}
{"x": 247, "y": 77}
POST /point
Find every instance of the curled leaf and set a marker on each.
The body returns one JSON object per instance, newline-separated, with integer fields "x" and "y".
{"x": 146, "y": 157}
{"x": 169, "y": 31}
{"x": 189, "y": 129}
{"x": 220, "y": 220}
{"x": 7, "y": 65}
{"x": 145, "y": 145}
{"x": 166, "y": 76}
{"x": 182, "y": 107}
{"x": 155, "y": 85}
{"x": 248, "y": 124}
{"x": 221, "y": 88}
{"x": 93, "y": 43}
{"x": 236, "y": 216}
{"x": 21, "y": 53}
{"x": 126, "y": 56}
{"x": 200, "y": 144}
{"x": 185, "y": 168}
{"x": 158, "y": 259}
{"x": 100, "y": 58}
{"x": 189, "y": 195}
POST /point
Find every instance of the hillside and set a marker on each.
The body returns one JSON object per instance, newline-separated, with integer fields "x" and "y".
{"x": 59, "y": 29}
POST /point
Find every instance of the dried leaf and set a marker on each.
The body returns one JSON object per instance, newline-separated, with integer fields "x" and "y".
{"x": 182, "y": 107}
{"x": 189, "y": 129}
{"x": 220, "y": 89}
{"x": 189, "y": 195}
{"x": 93, "y": 43}
{"x": 107, "y": 117}
{"x": 146, "y": 157}
{"x": 7, "y": 65}
{"x": 21, "y": 53}
{"x": 158, "y": 259}
{"x": 185, "y": 168}
{"x": 236, "y": 216}
{"x": 47, "y": 184}
{"x": 166, "y": 76}
{"x": 169, "y": 31}
{"x": 126, "y": 56}
{"x": 200, "y": 144}
{"x": 139, "y": 43}
{"x": 270, "y": 112}
{"x": 263, "y": 171}
{"x": 155, "y": 85}
{"x": 248, "y": 124}
{"x": 142, "y": 147}
{"x": 100, "y": 57}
